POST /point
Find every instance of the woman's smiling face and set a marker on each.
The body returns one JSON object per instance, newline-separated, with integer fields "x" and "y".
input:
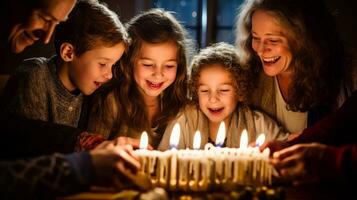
{"x": 270, "y": 43}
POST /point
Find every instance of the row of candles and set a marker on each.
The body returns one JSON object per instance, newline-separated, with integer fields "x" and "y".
{"x": 213, "y": 167}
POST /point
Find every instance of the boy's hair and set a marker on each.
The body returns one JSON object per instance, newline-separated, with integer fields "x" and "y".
{"x": 225, "y": 55}
{"x": 88, "y": 25}
{"x": 153, "y": 27}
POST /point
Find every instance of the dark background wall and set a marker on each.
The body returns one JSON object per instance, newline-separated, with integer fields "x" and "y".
{"x": 344, "y": 10}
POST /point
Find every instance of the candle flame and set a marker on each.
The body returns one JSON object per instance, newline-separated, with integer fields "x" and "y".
{"x": 175, "y": 136}
{"x": 197, "y": 140}
{"x": 144, "y": 140}
{"x": 260, "y": 140}
{"x": 221, "y": 135}
{"x": 244, "y": 139}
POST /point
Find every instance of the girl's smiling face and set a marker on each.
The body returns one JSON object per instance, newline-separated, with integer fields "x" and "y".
{"x": 216, "y": 93}
{"x": 155, "y": 68}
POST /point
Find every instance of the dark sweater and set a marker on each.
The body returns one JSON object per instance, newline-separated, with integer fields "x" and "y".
{"x": 29, "y": 168}
{"x": 45, "y": 177}
{"x": 36, "y": 92}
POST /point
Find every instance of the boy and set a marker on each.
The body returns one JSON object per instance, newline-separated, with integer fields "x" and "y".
{"x": 88, "y": 44}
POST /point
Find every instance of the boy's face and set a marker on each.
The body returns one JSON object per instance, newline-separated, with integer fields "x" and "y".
{"x": 93, "y": 68}
{"x": 155, "y": 68}
{"x": 39, "y": 25}
{"x": 216, "y": 93}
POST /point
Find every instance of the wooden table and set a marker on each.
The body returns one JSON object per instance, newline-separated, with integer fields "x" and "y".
{"x": 304, "y": 192}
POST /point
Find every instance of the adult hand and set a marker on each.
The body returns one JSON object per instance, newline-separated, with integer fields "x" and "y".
{"x": 274, "y": 146}
{"x": 114, "y": 164}
{"x": 299, "y": 162}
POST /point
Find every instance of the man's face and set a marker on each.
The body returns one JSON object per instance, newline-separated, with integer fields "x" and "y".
{"x": 40, "y": 24}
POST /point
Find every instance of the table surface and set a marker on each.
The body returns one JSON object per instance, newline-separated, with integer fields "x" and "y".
{"x": 305, "y": 192}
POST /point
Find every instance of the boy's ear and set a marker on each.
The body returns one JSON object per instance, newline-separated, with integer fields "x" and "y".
{"x": 67, "y": 52}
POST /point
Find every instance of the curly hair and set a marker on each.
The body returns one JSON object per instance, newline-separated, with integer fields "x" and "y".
{"x": 225, "y": 55}
{"x": 319, "y": 62}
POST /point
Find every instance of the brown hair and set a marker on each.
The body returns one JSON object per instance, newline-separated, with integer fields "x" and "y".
{"x": 223, "y": 54}
{"x": 153, "y": 26}
{"x": 319, "y": 61}
{"x": 88, "y": 25}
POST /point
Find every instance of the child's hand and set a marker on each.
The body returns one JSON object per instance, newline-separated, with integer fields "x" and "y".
{"x": 130, "y": 141}
{"x": 274, "y": 146}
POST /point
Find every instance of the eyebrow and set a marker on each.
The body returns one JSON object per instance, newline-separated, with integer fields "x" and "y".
{"x": 223, "y": 84}
{"x": 145, "y": 58}
{"x": 104, "y": 58}
{"x": 271, "y": 34}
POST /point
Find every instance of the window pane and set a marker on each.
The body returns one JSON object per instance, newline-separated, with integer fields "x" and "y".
{"x": 225, "y": 35}
{"x": 226, "y": 11}
{"x": 186, "y": 10}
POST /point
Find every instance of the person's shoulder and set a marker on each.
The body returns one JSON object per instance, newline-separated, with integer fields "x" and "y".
{"x": 33, "y": 71}
{"x": 33, "y": 65}
{"x": 190, "y": 108}
{"x": 190, "y": 113}
{"x": 255, "y": 113}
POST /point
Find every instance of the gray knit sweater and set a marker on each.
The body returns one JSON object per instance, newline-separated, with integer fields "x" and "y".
{"x": 36, "y": 92}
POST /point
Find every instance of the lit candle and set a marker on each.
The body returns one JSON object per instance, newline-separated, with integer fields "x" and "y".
{"x": 260, "y": 140}
{"x": 197, "y": 140}
{"x": 243, "y": 149}
{"x": 144, "y": 140}
{"x": 174, "y": 141}
{"x": 243, "y": 140}
{"x": 221, "y": 135}
{"x": 142, "y": 152}
{"x": 175, "y": 136}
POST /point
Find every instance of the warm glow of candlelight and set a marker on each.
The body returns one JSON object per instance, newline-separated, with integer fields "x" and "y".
{"x": 197, "y": 140}
{"x": 266, "y": 152}
{"x": 244, "y": 139}
{"x": 144, "y": 140}
{"x": 221, "y": 135}
{"x": 260, "y": 140}
{"x": 175, "y": 136}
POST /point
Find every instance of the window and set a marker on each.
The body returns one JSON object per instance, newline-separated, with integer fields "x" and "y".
{"x": 186, "y": 11}
{"x": 207, "y": 21}
{"x": 225, "y": 20}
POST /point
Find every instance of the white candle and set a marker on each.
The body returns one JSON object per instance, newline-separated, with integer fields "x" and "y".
{"x": 183, "y": 169}
{"x": 143, "y": 153}
{"x": 174, "y": 141}
{"x": 195, "y": 161}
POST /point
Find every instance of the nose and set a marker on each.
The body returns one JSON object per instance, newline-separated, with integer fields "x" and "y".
{"x": 48, "y": 32}
{"x": 261, "y": 47}
{"x": 108, "y": 74}
{"x": 158, "y": 71}
{"x": 213, "y": 97}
